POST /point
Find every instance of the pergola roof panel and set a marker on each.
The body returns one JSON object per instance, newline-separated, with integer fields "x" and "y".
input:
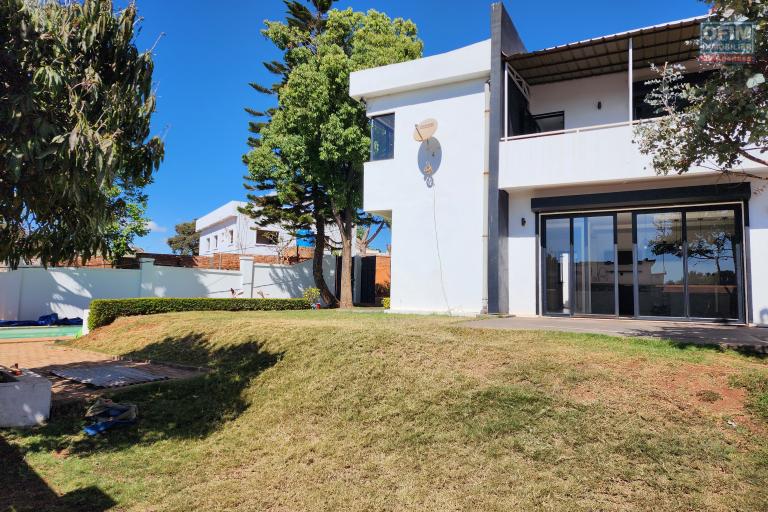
{"x": 671, "y": 42}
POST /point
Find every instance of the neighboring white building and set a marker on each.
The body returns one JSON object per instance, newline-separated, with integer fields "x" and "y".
{"x": 226, "y": 230}
{"x": 531, "y": 198}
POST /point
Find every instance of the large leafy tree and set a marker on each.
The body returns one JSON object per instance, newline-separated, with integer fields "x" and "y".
{"x": 186, "y": 241}
{"x": 720, "y": 122}
{"x": 318, "y": 133}
{"x": 76, "y": 101}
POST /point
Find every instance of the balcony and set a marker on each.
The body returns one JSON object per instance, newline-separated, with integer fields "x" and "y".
{"x": 591, "y": 154}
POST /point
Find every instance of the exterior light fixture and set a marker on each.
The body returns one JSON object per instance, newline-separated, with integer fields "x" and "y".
{"x": 523, "y": 222}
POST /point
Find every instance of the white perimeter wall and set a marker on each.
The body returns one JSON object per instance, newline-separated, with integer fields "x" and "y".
{"x": 447, "y": 216}
{"x": 28, "y": 293}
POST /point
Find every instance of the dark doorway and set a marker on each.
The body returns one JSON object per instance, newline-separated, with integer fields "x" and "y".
{"x": 368, "y": 280}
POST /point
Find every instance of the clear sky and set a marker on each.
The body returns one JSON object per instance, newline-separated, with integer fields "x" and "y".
{"x": 211, "y": 49}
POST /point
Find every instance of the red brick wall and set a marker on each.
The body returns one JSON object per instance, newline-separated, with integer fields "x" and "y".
{"x": 383, "y": 275}
{"x": 221, "y": 261}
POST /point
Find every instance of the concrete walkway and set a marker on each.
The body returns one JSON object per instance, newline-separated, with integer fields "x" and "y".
{"x": 753, "y": 339}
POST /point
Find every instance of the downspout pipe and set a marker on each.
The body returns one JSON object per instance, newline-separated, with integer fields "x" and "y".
{"x": 486, "y": 193}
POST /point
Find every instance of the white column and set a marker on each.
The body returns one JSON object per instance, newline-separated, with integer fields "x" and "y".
{"x": 147, "y": 277}
{"x": 246, "y": 276}
{"x": 631, "y": 79}
{"x": 86, "y": 314}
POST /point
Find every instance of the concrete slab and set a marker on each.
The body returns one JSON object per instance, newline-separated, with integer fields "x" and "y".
{"x": 44, "y": 356}
{"x": 753, "y": 339}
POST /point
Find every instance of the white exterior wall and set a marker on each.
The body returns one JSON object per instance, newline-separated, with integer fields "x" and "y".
{"x": 68, "y": 291}
{"x": 283, "y": 281}
{"x": 757, "y": 240}
{"x": 10, "y": 288}
{"x": 436, "y": 232}
{"x": 522, "y": 255}
{"x": 28, "y": 293}
{"x": 579, "y": 99}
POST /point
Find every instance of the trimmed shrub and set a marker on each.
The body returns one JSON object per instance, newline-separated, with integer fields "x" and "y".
{"x": 105, "y": 311}
{"x": 312, "y": 295}
{"x": 385, "y": 302}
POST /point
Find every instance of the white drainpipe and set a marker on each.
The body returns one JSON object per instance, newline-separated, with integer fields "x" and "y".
{"x": 486, "y": 193}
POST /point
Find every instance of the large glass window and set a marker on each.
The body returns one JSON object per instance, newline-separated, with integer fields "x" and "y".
{"x": 671, "y": 263}
{"x": 713, "y": 290}
{"x": 594, "y": 268}
{"x": 660, "y": 267}
{"x": 383, "y": 137}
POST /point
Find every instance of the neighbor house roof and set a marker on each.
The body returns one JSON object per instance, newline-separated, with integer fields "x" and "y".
{"x": 218, "y": 215}
{"x": 669, "y": 42}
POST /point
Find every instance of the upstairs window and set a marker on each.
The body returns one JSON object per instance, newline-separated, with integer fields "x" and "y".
{"x": 231, "y": 236}
{"x": 383, "y": 137}
{"x": 216, "y": 241}
{"x": 550, "y": 122}
{"x": 208, "y": 240}
{"x": 264, "y": 237}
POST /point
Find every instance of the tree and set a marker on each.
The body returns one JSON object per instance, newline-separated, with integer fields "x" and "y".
{"x": 318, "y": 133}
{"x": 278, "y": 194}
{"x": 76, "y": 101}
{"x": 366, "y": 234}
{"x": 130, "y": 224}
{"x": 719, "y": 123}
{"x": 186, "y": 241}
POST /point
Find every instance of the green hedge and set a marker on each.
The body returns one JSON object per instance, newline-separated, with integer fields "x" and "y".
{"x": 105, "y": 311}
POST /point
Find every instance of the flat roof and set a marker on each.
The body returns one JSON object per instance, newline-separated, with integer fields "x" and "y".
{"x": 467, "y": 63}
{"x": 676, "y": 41}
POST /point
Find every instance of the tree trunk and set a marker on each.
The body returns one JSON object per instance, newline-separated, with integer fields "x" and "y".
{"x": 317, "y": 260}
{"x": 345, "y": 228}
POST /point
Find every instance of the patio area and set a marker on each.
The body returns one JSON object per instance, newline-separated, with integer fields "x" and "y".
{"x": 738, "y": 337}
{"x": 43, "y": 356}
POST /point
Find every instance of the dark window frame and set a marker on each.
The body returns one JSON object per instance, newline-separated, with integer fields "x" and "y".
{"x": 549, "y": 115}
{"x": 267, "y": 237}
{"x": 387, "y": 151}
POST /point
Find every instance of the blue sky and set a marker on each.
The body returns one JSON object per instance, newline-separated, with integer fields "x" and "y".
{"x": 211, "y": 49}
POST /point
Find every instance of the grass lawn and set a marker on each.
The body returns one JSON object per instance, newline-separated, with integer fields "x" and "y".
{"x": 323, "y": 410}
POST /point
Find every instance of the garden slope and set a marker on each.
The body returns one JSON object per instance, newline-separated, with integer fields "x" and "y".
{"x": 322, "y": 410}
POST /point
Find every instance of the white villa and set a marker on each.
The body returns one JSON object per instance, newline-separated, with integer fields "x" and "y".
{"x": 226, "y": 230}
{"x": 514, "y": 186}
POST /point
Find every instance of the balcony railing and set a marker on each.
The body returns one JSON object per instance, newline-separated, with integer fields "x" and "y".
{"x": 576, "y": 130}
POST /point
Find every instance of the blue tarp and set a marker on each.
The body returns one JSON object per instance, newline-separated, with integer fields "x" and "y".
{"x": 43, "y": 321}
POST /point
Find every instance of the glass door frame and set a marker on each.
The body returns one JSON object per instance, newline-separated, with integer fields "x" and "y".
{"x": 739, "y": 258}
{"x": 572, "y": 267}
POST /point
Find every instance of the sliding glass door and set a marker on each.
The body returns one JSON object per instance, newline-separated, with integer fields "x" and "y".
{"x": 557, "y": 257}
{"x": 660, "y": 270}
{"x": 673, "y": 263}
{"x": 713, "y": 264}
{"x": 580, "y": 265}
{"x": 594, "y": 266}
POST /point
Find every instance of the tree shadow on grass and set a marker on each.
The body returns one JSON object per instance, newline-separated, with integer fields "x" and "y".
{"x": 22, "y": 489}
{"x": 183, "y": 409}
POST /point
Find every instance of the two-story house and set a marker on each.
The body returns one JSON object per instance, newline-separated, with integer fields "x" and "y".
{"x": 514, "y": 186}
{"x": 227, "y": 231}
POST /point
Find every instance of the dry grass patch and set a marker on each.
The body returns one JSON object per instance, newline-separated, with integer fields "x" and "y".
{"x": 333, "y": 411}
